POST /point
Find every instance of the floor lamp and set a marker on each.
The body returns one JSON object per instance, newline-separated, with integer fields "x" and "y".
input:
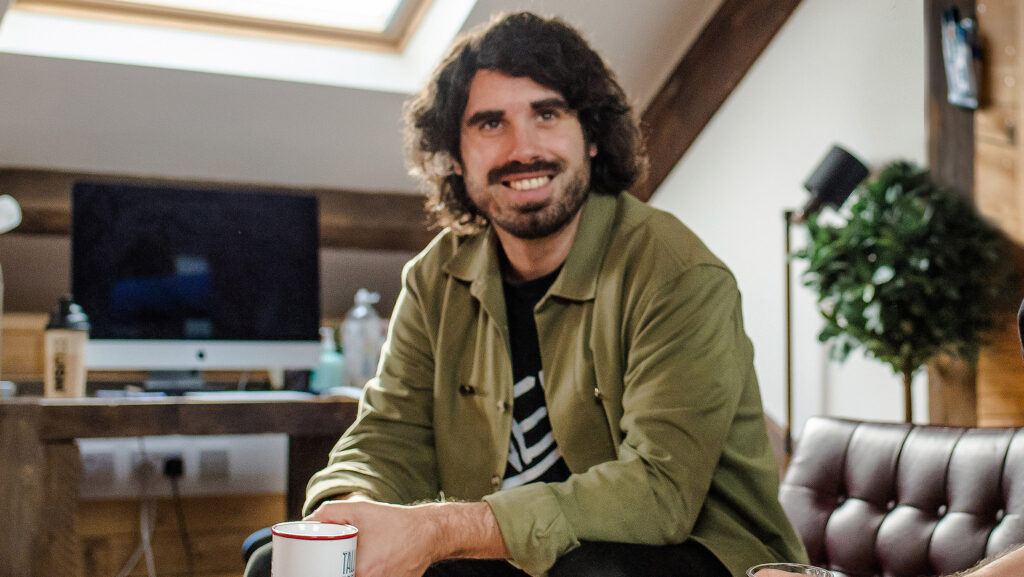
{"x": 830, "y": 185}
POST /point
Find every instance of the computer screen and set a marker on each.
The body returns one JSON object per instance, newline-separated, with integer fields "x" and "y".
{"x": 192, "y": 278}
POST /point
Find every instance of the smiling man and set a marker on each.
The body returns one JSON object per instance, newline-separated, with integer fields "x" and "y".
{"x": 567, "y": 388}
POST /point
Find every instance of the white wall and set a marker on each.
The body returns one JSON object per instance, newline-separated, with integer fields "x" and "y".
{"x": 842, "y": 72}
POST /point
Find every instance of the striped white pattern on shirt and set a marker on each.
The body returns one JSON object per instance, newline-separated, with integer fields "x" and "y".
{"x": 530, "y": 460}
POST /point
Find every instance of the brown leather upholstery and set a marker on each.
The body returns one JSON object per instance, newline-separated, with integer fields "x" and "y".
{"x": 874, "y": 499}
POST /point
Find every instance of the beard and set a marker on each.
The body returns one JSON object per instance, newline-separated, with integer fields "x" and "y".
{"x": 544, "y": 218}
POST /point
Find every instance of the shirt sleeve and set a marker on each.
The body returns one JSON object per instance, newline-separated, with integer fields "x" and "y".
{"x": 388, "y": 453}
{"x": 687, "y": 363}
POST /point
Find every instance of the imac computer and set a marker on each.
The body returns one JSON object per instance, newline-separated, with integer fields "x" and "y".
{"x": 181, "y": 280}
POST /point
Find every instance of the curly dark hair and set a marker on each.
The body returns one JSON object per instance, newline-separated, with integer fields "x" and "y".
{"x": 552, "y": 54}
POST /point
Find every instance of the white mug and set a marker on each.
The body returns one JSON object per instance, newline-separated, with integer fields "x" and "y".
{"x": 313, "y": 549}
{"x": 791, "y": 569}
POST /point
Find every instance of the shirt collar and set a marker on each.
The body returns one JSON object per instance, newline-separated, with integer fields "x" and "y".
{"x": 475, "y": 260}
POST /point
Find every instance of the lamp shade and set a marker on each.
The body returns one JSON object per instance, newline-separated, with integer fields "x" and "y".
{"x": 10, "y": 213}
{"x": 835, "y": 178}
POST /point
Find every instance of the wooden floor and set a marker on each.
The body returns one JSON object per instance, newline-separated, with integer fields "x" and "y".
{"x": 216, "y": 527}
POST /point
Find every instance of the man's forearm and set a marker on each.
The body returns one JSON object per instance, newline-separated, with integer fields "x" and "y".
{"x": 467, "y": 530}
{"x": 402, "y": 541}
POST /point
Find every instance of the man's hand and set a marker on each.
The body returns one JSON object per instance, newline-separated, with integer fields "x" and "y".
{"x": 401, "y": 541}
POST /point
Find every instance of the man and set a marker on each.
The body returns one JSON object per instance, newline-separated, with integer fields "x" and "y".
{"x": 566, "y": 379}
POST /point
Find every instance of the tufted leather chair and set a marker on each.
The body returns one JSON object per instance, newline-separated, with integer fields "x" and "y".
{"x": 898, "y": 500}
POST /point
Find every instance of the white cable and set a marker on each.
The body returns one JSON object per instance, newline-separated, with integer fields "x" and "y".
{"x": 147, "y": 515}
{"x": 147, "y": 519}
{"x": 146, "y": 525}
{"x": 133, "y": 560}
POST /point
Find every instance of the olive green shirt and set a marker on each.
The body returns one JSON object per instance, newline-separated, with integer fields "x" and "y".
{"x": 650, "y": 390}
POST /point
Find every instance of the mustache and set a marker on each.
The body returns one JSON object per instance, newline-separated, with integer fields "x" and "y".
{"x": 496, "y": 175}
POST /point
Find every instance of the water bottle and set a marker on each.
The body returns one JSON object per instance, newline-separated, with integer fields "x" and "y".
{"x": 330, "y": 372}
{"x": 362, "y": 336}
{"x": 64, "y": 344}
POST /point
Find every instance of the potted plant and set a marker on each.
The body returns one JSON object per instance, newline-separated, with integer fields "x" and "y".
{"x": 911, "y": 273}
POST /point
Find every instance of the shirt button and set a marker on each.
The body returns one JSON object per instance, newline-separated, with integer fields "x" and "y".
{"x": 466, "y": 390}
{"x": 495, "y": 481}
{"x": 504, "y": 406}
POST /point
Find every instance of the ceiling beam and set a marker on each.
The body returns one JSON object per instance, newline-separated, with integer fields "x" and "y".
{"x": 708, "y": 73}
{"x": 348, "y": 219}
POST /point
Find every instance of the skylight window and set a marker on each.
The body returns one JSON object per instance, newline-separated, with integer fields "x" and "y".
{"x": 375, "y": 24}
{"x": 342, "y": 14}
{"x": 172, "y": 34}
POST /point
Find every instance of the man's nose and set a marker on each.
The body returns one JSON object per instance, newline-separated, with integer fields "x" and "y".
{"x": 525, "y": 144}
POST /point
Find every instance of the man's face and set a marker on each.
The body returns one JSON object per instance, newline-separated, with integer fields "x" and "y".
{"x": 524, "y": 159}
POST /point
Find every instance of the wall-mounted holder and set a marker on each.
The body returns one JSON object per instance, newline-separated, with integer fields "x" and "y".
{"x": 962, "y": 57}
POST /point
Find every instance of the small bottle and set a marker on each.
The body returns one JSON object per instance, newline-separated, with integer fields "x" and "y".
{"x": 65, "y": 339}
{"x": 362, "y": 336}
{"x": 330, "y": 372}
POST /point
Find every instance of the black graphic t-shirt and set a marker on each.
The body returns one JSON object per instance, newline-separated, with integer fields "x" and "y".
{"x": 533, "y": 455}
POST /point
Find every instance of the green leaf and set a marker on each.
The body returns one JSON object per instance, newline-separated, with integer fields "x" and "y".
{"x": 873, "y": 316}
{"x": 883, "y": 274}
{"x": 869, "y": 292}
{"x": 893, "y": 193}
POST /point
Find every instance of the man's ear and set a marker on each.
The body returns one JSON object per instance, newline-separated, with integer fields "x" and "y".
{"x": 592, "y": 149}
{"x": 456, "y": 167}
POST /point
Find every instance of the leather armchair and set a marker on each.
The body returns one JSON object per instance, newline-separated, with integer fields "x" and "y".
{"x": 874, "y": 499}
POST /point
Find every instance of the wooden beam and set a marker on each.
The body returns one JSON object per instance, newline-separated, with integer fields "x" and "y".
{"x": 348, "y": 219}
{"x": 730, "y": 43}
{"x": 950, "y": 127}
{"x": 952, "y": 383}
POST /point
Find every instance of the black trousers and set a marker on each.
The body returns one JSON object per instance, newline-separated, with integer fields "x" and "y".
{"x": 689, "y": 559}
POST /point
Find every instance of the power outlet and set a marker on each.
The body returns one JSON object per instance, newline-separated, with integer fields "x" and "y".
{"x": 214, "y": 465}
{"x": 98, "y": 468}
{"x": 147, "y": 466}
{"x": 154, "y": 459}
{"x": 211, "y": 465}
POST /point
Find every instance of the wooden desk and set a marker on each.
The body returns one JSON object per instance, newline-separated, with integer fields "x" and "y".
{"x": 40, "y": 465}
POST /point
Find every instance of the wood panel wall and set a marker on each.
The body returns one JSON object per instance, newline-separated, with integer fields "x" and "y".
{"x": 348, "y": 219}
{"x": 217, "y": 526}
{"x": 999, "y": 195}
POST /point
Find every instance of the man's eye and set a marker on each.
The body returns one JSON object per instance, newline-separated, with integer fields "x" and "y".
{"x": 547, "y": 114}
{"x": 490, "y": 124}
